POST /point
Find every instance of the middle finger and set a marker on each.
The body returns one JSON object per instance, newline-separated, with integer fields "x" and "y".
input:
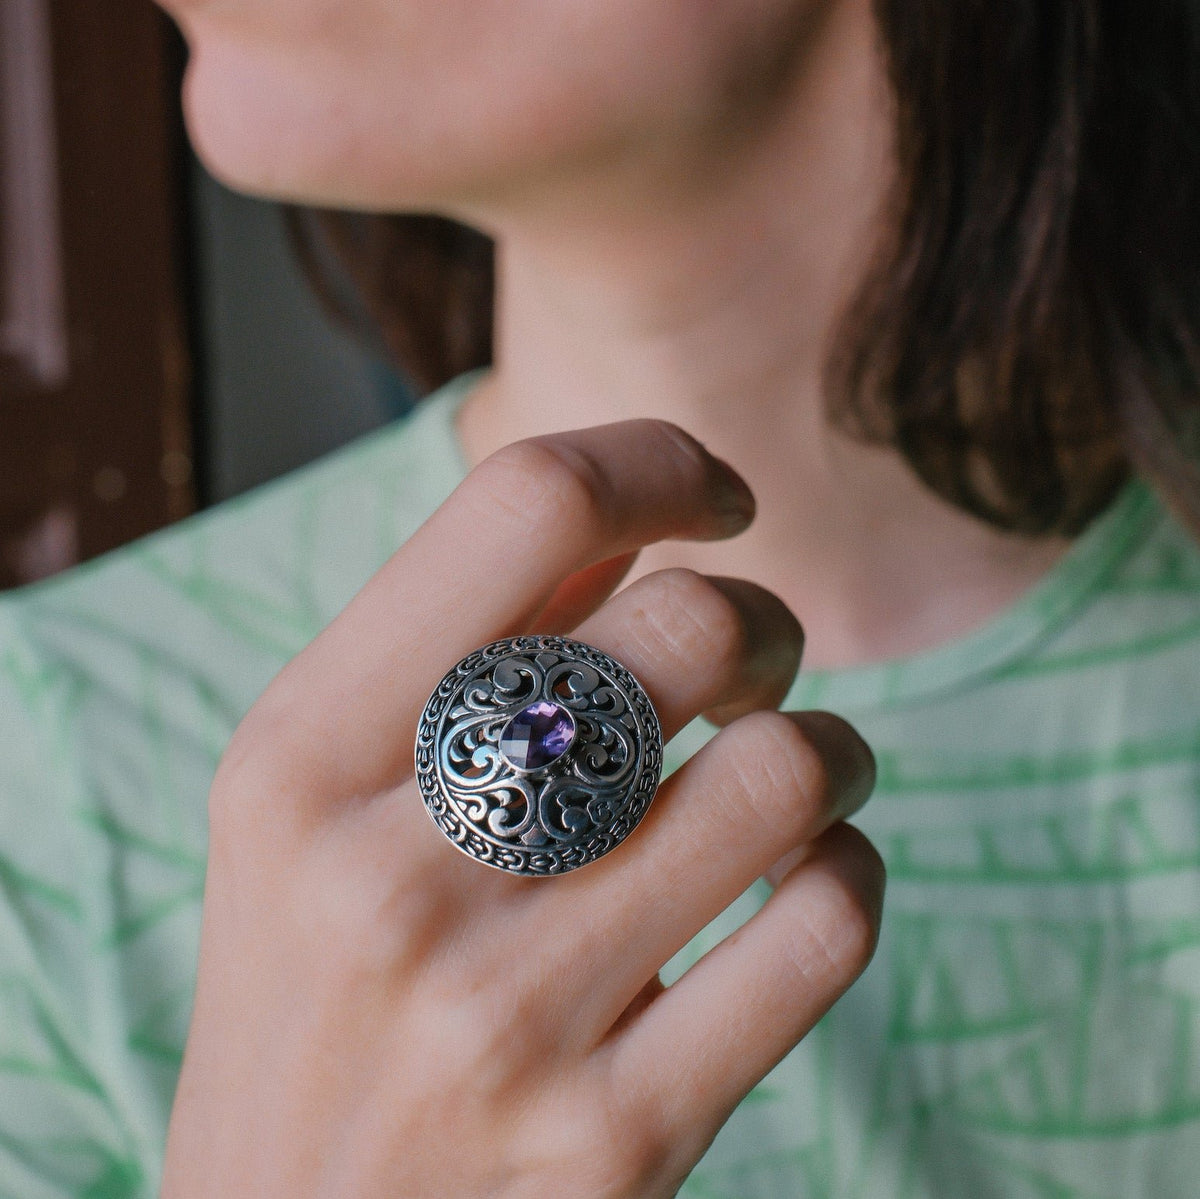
{"x": 697, "y": 644}
{"x": 700, "y": 644}
{"x": 342, "y": 715}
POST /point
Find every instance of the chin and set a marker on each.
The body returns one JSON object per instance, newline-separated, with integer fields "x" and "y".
{"x": 227, "y": 129}
{"x": 306, "y": 129}
{"x": 257, "y": 135}
{"x": 303, "y": 145}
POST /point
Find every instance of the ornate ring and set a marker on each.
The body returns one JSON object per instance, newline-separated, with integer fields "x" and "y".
{"x": 537, "y": 755}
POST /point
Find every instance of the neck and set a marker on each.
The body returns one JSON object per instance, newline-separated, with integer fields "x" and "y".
{"x": 705, "y": 288}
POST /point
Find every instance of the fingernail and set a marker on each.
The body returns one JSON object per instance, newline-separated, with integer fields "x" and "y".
{"x": 737, "y": 500}
{"x": 848, "y": 759}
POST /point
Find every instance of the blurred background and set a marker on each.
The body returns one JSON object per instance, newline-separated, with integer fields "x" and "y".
{"x": 160, "y": 349}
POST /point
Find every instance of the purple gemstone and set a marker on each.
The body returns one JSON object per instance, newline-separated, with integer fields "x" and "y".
{"x": 537, "y": 735}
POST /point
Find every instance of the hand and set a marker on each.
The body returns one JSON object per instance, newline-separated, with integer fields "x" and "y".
{"x": 377, "y": 1014}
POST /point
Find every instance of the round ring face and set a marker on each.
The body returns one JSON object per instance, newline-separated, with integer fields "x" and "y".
{"x": 537, "y": 755}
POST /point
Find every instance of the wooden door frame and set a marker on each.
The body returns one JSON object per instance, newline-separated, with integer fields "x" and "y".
{"x": 101, "y": 441}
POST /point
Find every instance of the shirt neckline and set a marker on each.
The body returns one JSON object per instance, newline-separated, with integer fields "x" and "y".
{"x": 1013, "y": 634}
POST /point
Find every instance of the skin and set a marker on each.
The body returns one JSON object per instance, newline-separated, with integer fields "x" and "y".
{"x": 684, "y": 196}
{"x": 363, "y": 1024}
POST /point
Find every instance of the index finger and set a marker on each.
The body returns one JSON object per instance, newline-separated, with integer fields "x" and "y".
{"x": 344, "y": 711}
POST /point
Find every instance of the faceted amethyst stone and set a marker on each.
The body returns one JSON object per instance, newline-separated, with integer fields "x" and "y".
{"x": 537, "y": 735}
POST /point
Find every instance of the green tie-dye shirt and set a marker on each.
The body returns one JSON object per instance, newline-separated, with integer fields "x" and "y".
{"x": 1028, "y": 1027}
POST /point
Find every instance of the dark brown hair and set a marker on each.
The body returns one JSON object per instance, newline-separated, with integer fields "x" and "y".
{"x": 1032, "y": 320}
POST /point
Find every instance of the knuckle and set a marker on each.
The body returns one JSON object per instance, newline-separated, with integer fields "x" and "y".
{"x": 545, "y": 475}
{"x": 506, "y": 1009}
{"x": 510, "y": 1025}
{"x": 240, "y": 775}
{"x": 496, "y": 1030}
{"x": 782, "y": 774}
{"x": 638, "y": 1151}
{"x": 683, "y": 615}
{"x": 238, "y": 768}
{"x": 629, "y": 1151}
{"x": 249, "y": 768}
{"x": 353, "y": 918}
{"x": 257, "y": 780}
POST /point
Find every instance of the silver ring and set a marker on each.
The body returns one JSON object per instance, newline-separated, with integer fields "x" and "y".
{"x": 538, "y": 755}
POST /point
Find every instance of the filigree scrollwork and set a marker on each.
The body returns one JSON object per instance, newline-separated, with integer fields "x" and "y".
{"x": 544, "y": 819}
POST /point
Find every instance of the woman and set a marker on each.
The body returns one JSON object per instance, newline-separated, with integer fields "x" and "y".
{"x": 974, "y": 222}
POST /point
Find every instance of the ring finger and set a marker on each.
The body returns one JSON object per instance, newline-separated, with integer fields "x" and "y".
{"x": 700, "y": 644}
{"x": 697, "y": 645}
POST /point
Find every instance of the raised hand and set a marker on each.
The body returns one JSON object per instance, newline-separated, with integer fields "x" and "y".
{"x": 376, "y": 1014}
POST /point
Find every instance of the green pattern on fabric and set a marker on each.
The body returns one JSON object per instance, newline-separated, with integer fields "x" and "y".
{"x": 1029, "y": 1027}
